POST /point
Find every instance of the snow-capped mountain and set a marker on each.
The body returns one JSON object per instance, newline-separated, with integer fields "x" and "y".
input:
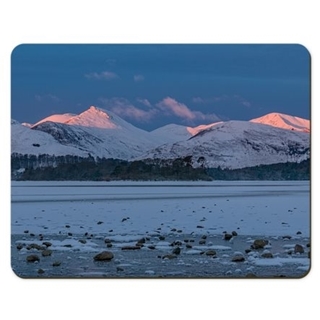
{"x": 284, "y": 121}
{"x": 95, "y": 131}
{"x": 238, "y": 144}
{"x": 274, "y": 138}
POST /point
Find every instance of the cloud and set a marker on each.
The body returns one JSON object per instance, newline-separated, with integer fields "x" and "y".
{"x": 145, "y": 102}
{"x": 46, "y": 97}
{"x": 169, "y": 105}
{"x": 172, "y": 106}
{"x": 105, "y": 75}
{"x": 124, "y": 108}
{"x": 138, "y": 77}
{"x": 223, "y": 98}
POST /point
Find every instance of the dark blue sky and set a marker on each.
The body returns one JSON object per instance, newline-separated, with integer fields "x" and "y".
{"x": 153, "y": 85}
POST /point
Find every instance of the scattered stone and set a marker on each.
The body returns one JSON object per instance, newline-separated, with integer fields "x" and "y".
{"x": 238, "y": 257}
{"x": 176, "y": 243}
{"x": 142, "y": 240}
{"x": 131, "y": 248}
{"x": 40, "y": 271}
{"x": 267, "y": 254}
{"x": 103, "y": 256}
{"x": 33, "y": 258}
{"x": 162, "y": 238}
{"x": 173, "y": 229}
{"x": 47, "y": 244}
{"x": 200, "y": 227}
{"x": 107, "y": 241}
{"x": 151, "y": 247}
{"x": 56, "y": 264}
{"x": 179, "y": 231}
{"x": 176, "y": 250}
{"x": 191, "y": 240}
{"x": 211, "y": 253}
{"x": 251, "y": 275}
{"x": 67, "y": 226}
{"x": 189, "y": 246}
{"x": 109, "y": 245}
{"x": 286, "y": 237}
{"x": 204, "y": 237}
{"x": 124, "y": 219}
{"x": 35, "y": 246}
{"x": 67, "y": 245}
{"x": 299, "y": 232}
{"x": 202, "y": 242}
{"x": 308, "y": 245}
{"x": 26, "y": 231}
{"x": 100, "y": 222}
{"x": 83, "y": 241}
{"x": 259, "y": 244}
{"x": 32, "y": 234}
{"x": 111, "y": 230}
{"x": 119, "y": 269}
{"x": 69, "y": 234}
{"x": 169, "y": 256}
{"x": 298, "y": 248}
{"x": 234, "y": 233}
{"x": 19, "y": 246}
{"x": 227, "y": 236}
{"x": 46, "y": 253}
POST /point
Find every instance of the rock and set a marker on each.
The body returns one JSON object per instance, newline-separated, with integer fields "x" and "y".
{"x": 298, "y": 248}
{"x": 33, "y": 258}
{"x": 100, "y": 222}
{"x": 32, "y": 234}
{"x": 176, "y": 250}
{"x": 26, "y": 231}
{"x": 259, "y": 244}
{"x": 35, "y": 246}
{"x": 103, "y": 256}
{"x": 179, "y": 231}
{"x": 286, "y": 237}
{"x": 107, "y": 241}
{"x": 189, "y": 246}
{"x": 191, "y": 240}
{"x": 176, "y": 243}
{"x": 151, "y": 247}
{"x": 299, "y": 232}
{"x": 200, "y": 227}
{"x": 67, "y": 226}
{"x": 47, "y": 244}
{"x": 124, "y": 219}
{"x": 211, "y": 253}
{"x": 111, "y": 230}
{"x": 142, "y": 240}
{"x": 67, "y": 245}
{"x": 46, "y": 253}
{"x": 238, "y": 257}
{"x": 56, "y": 264}
{"x": 251, "y": 275}
{"x": 227, "y": 236}
{"x": 173, "y": 229}
{"x": 109, "y": 245}
{"x": 131, "y": 248}
{"x": 247, "y": 250}
{"x": 69, "y": 234}
{"x": 186, "y": 240}
{"x": 266, "y": 254}
{"x": 202, "y": 242}
{"x": 204, "y": 237}
{"x": 83, "y": 241}
{"x": 119, "y": 269}
{"x": 308, "y": 245}
{"x": 19, "y": 246}
{"x": 234, "y": 233}
{"x": 169, "y": 256}
{"x": 40, "y": 271}
{"x": 161, "y": 238}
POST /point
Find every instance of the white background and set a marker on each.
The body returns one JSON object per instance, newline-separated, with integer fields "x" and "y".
{"x": 155, "y": 22}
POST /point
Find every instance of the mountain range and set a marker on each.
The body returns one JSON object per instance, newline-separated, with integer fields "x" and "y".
{"x": 273, "y": 138}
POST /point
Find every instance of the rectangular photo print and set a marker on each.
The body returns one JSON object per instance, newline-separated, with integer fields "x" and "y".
{"x": 160, "y": 161}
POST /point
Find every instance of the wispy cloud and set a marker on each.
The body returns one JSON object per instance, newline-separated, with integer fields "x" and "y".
{"x": 138, "y": 77}
{"x": 46, "y": 97}
{"x": 145, "y": 102}
{"x": 172, "y": 106}
{"x": 227, "y": 98}
{"x": 105, "y": 75}
{"x": 124, "y": 108}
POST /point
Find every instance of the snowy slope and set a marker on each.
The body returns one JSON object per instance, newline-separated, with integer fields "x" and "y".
{"x": 95, "y": 131}
{"x": 284, "y": 121}
{"x": 238, "y": 144}
{"x": 173, "y": 133}
{"x": 27, "y": 141}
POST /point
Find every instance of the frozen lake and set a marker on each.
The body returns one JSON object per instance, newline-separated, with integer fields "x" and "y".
{"x": 124, "y": 212}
